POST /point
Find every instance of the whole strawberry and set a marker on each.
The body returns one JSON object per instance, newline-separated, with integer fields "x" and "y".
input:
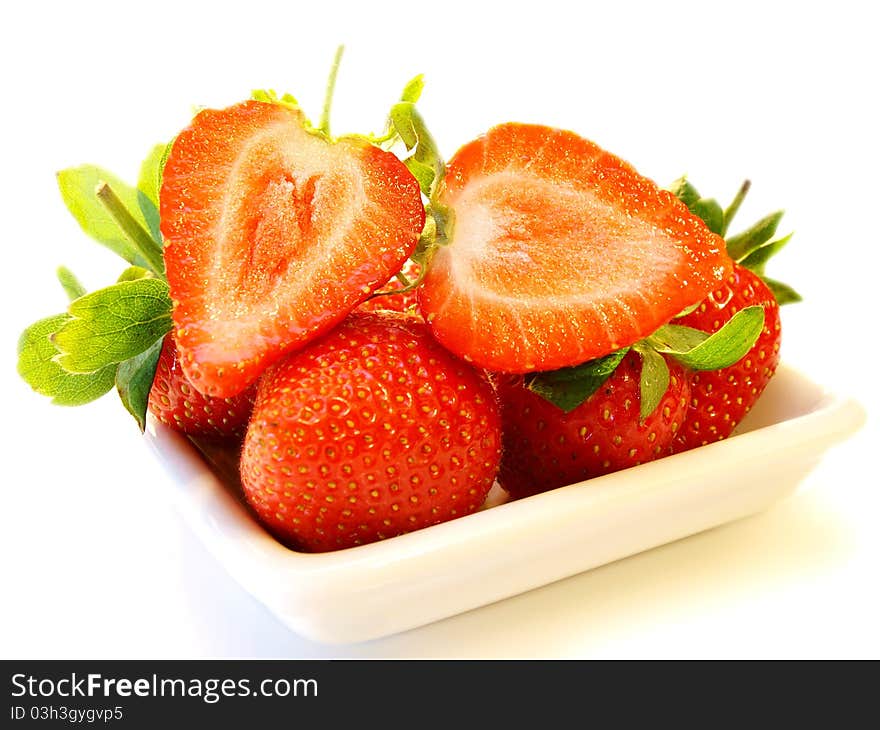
{"x": 372, "y": 431}
{"x": 176, "y": 403}
{"x": 545, "y": 447}
{"x": 620, "y": 410}
{"x": 720, "y": 399}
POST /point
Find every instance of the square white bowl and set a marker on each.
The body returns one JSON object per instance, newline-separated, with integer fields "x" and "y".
{"x": 507, "y": 548}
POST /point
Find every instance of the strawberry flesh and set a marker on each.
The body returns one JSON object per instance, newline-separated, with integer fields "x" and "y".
{"x": 273, "y": 235}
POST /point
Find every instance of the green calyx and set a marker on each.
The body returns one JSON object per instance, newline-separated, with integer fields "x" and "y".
{"x": 568, "y": 388}
{"x": 112, "y": 336}
{"x": 752, "y": 247}
{"x": 111, "y": 325}
{"x": 270, "y": 96}
{"x": 420, "y": 154}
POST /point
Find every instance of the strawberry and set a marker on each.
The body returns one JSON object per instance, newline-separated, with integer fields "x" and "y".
{"x": 720, "y": 399}
{"x": 372, "y": 431}
{"x": 546, "y": 448}
{"x": 273, "y": 233}
{"x": 559, "y": 253}
{"x": 176, "y": 403}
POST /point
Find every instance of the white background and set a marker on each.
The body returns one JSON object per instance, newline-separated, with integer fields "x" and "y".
{"x": 95, "y": 563}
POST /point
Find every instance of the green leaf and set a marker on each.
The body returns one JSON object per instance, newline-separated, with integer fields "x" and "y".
{"x": 408, "y": 124}
{"x": 150, "y": 178}
{"x": 401, "y": 118}
{"x": 676, "y": 339}
{"x": 70, "y": 283}
{"x": 412, "y": 92}
{"x": 783, "y": 292}
{"x": 653, "y": 381}
{"x": 684, "y": 191}
{"x": 700, "y": 351}
{"x": 37, "y": 366}
{"x": 421, "y": 172}
{"x": 706, "y": 209}
{"x": 757, "y": 260}
{"x": 78, "y": 186}
{"x": 270, "y": 97}
{"x": 710, "y": 212}
{"x": 134, "y": 379}
{"x": 742, "y": 244}
{"x": 113, "y": 324}
{"x": 149, "y": 183}
{"x": 135, "y": 272}
{"x": 568, "y": 388}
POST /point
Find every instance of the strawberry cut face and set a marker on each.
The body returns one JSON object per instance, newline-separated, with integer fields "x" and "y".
{"x": 273, "y": 234}
{"x": 499, "y": 221}
{"x": 560, "y": 253}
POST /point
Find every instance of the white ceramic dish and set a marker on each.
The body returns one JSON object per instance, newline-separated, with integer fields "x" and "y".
{"x": 374, "y": 590}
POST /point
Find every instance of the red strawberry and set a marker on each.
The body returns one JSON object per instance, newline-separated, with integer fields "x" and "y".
{"x": 560, "y": 253}
{"x": 721, "y": 398}
{"x": 372, "y": 431}
{"x": 176, "y": 403}
{"x": 273, "y": 234}
{"x": 546, "y": 448}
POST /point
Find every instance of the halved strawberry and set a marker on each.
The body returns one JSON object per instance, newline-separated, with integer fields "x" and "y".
{"x": 560, "y": 253}
{"x": 273, "y": 234}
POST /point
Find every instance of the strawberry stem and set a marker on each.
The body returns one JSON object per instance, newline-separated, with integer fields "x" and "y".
{"x": 324, "y": 124}
{"x": 134, "y": 231}
{"x": 734, "y": 206}
{"x": 408, "y": 284}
